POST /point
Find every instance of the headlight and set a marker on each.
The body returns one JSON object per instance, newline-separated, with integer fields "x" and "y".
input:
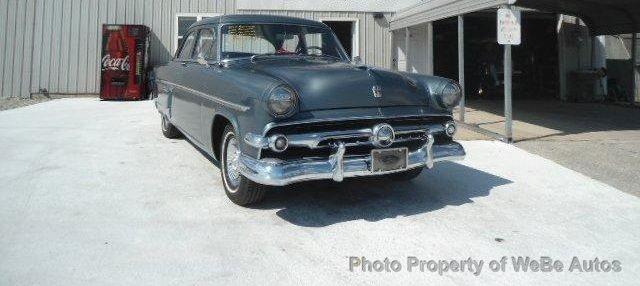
{"x": 282, "y": 102}
{"x": 450, "y": 95}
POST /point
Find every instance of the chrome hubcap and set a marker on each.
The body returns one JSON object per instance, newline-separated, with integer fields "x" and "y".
{"x": 165, "y": 124}
{"x": 232, "y": 157}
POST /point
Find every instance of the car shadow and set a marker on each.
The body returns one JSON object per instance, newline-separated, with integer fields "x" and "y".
{"x": 324, "y": 203}
{"x": 204, "y": 153}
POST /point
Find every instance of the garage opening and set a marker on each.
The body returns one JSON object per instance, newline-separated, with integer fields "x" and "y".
{"x": 346, "y": 32}
{"x": 561, "y": 72}
{"x": 535, "y": 61}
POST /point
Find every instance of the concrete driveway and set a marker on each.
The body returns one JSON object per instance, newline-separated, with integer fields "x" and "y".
{"x": 91, "y": 193}
{"x": 599, "y": 140}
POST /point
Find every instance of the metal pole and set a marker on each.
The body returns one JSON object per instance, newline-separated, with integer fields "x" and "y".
{"x": 394, "y": 52}
{"x": 407, "y": 40}
{"x": 461, "y": 64}
{"x": 634, "y": 50}
{"x": 600, "y": 61}
{"x": 507, "y": 94}
{"x": 562, "y": 57}
{"x": 430, "y": 48}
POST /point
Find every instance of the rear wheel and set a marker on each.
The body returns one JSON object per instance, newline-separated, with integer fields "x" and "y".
{"x": 168, "y": 130}
{"x": 406, "y": 175}
{"x": 238, "y": 188}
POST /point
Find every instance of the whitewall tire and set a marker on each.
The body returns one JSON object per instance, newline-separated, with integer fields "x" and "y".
{"x": 238, "y": 188}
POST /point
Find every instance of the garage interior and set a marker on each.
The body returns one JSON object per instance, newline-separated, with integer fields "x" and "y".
{"x": 536, "y": 85}
{"x": 562, "y": 61}
{"x": 540, "y": 109}
{"x": 535, "y": 61}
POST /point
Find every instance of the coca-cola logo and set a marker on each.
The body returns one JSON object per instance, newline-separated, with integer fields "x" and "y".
{"x": 109, "y": 63}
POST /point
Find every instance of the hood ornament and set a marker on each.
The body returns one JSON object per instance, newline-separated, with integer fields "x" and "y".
{"x": 376, "y": 90}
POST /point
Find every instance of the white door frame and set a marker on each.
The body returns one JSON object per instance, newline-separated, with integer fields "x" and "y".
{"x": 355, "y": 32}
{"x": 198, "y": 17}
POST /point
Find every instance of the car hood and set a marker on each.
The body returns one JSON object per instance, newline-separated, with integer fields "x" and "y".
{"x": 329, "y": 85}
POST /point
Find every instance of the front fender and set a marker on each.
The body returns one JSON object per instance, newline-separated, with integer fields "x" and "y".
{"x": 432, "y": 84}
{"x": 210, "y": 116}
{"x": 252, "y": 120}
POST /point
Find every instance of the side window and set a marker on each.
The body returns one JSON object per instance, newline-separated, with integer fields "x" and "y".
{"x": 184, "y": 22}
{"x": 314, "y": 44}
{"x": 207, "y": 47}
{"x": 187, "y": 47}
{"x": 290, "y": 44}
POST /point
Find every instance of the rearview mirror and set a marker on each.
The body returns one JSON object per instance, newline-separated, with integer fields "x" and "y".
{"x": 356, "y": 60}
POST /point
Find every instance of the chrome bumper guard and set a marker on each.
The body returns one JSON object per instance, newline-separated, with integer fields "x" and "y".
{"x": 337, "y": 167}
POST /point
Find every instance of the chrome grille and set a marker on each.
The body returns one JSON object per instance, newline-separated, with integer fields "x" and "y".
{"x": 345, "y": 125}
{"x": 316, "y": 140}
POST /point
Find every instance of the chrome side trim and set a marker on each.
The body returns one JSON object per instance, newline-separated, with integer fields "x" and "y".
{"x": 231, "y": 105}
{"x": 337, "y": 167}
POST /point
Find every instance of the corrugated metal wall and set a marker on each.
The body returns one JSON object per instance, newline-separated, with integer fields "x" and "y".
{"x": 55, "y": 44}
{"x": 417, "y": 60}
{"x": 375, "y": 38}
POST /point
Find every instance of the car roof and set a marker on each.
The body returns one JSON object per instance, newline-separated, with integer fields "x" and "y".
{"x": 255, "y": 18}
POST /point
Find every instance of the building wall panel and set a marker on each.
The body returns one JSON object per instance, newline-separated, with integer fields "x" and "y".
{"x": 56, "y": 45}
{"x": 38, "y": 32}
{"x": 27, "y": 49}
{"x": 83, "y": 47}
{"x": 63, "y": 41}
{"x": 93, "y": 46}
{"x": 9, "y": 47}
{"x": 55, "y": 54}
{"x": 4, "y": 5}
{"x": 18, "y": 50}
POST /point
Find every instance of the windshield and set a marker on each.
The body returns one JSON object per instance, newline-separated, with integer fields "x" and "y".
{"x": 248, "y": 40}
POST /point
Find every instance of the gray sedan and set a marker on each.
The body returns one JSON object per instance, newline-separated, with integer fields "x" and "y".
{"x": 277, "y": 101}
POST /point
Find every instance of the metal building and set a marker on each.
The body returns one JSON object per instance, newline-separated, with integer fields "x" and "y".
{"x": 54, "y": 45}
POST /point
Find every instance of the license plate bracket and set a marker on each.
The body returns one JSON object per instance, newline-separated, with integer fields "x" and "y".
{"x": 387, "y": 160}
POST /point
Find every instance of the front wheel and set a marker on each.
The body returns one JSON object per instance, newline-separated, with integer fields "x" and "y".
{"x": 238, "y": 188}
{"x": 168, "y": 130}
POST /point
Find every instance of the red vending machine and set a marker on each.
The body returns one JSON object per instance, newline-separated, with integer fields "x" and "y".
{"x": 125, "y": 50}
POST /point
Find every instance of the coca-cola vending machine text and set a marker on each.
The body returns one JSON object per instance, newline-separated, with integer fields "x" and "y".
{"x": 124, "y": 62}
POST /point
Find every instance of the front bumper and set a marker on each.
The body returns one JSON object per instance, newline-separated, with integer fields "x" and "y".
{"x": 337, "y": 166}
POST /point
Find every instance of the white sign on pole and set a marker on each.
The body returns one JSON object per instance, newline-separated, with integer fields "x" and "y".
{"x": 509, "y": 27}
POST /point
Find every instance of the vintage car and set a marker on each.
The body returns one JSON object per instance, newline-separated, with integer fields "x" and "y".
{"x": 276, "y": 100}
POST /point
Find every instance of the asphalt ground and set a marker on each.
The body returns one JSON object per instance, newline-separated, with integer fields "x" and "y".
{"x": 92, "y": 193}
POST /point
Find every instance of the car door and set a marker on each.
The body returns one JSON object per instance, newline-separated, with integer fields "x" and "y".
{"x": 186, "y": 103}
{"x": 205, "y": 78}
